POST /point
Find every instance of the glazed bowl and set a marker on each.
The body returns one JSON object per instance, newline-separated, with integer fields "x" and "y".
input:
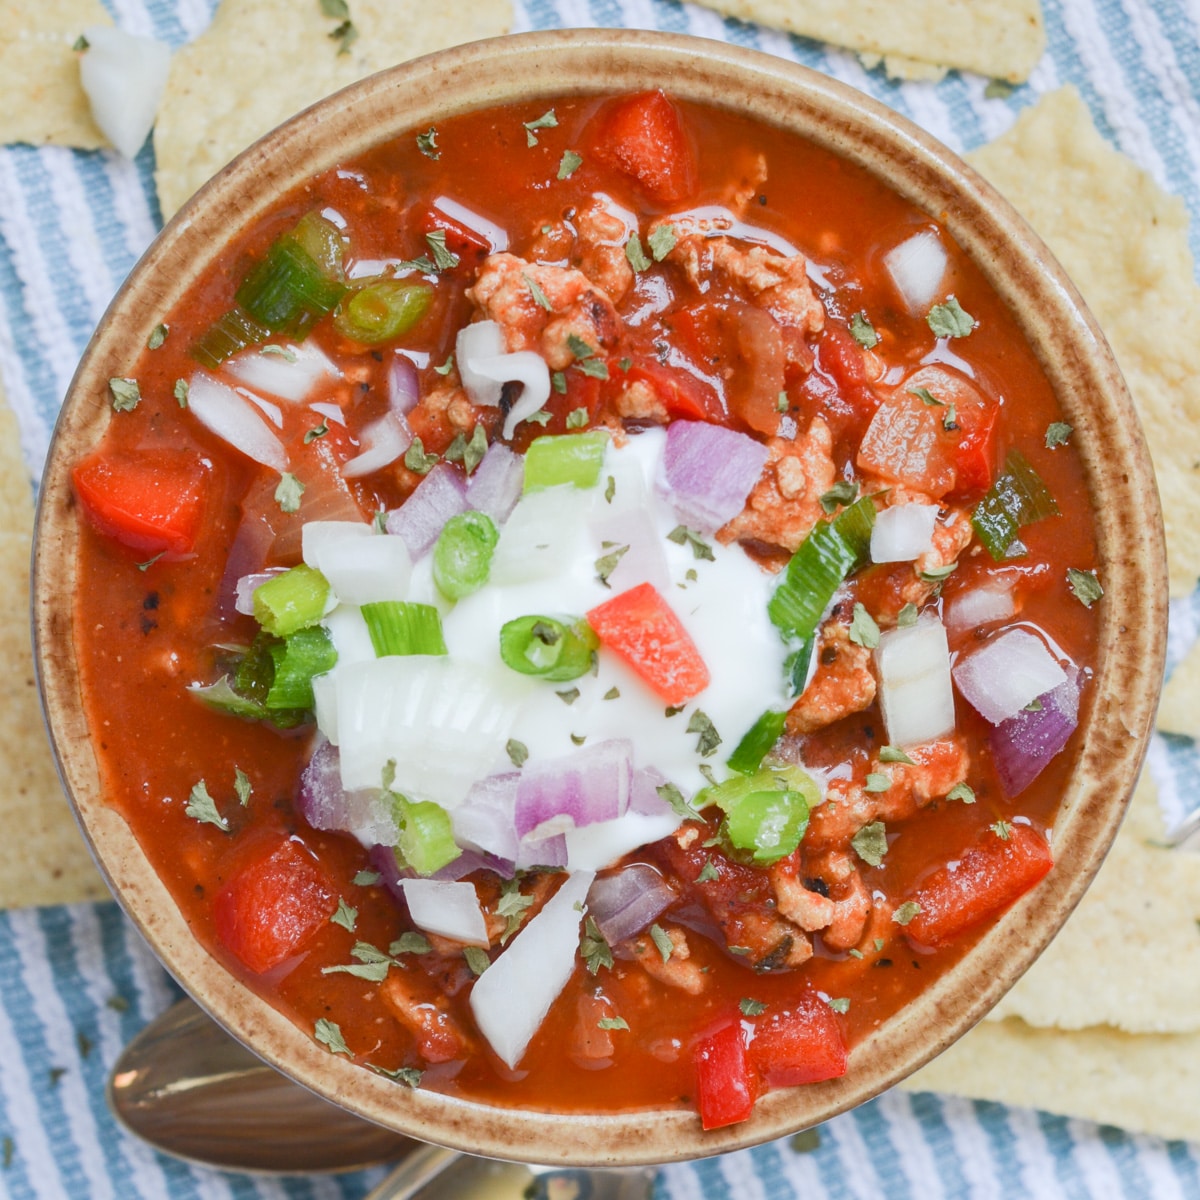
{"x": 1116, "y": 718}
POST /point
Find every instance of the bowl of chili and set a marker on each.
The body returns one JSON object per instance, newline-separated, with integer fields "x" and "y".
{"x": 595, "y": 624}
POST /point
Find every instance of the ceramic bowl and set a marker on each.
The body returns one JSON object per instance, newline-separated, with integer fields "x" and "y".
{"x": 1076, "y": 359}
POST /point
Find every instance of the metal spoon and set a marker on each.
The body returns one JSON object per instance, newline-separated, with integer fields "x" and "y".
{"x": 192, "y": 1091}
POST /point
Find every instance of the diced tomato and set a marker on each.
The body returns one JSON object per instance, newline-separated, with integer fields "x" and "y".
{"x": 273, "y": 906}
{"x": 841, "y": 358}
{"x": 151, "y": 501}
{"x": 799, "y": 1044}
{"x": 975, "y": 458}
{"x": 985, "y": 880}
{"x": 683, "y": 395}
{"x": 725, "y": 1089}
{"x": 640, "y": 627}
{"x": 643, "y": 136}
{"x": 460, "y": 239}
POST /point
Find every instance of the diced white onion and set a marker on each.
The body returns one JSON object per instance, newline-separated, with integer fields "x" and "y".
{"x": 318, "y": 536}
{"x": 291, "y": 376}
{"x": 903, "y": 532}
{"x": 325, "y": 703}
{"x": 526, "y": 368}
{"x": 915, "y": 691}
{"x": 1007, "y": 674}
{"x": 450, "y": 910}
{"x": 543, "y": 532}
{"x": 980, "y": 606}
{"x": 644, "y": 561}
{"x": 232, "y": 418}
{"x": 512, "y": 997}
{"x": 331, "y": 412}
{"x": 124, "y": 76}
{"x": 384, "y": 441}
{"x": 594, "y": 847}
{"x": 495, "y": 235}
{"x": 270, "y": 410}
{"x": 917, "y": 267}
{"x": 347, "y": 628}
{"x": 482, "y": 340}
{"x": 366, "y": 570}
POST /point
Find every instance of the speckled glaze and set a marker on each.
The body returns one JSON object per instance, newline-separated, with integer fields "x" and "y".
{"x": 1116, "y": 722}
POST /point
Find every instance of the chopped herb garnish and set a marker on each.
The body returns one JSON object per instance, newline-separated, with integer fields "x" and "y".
{"x": 662, "y": 241}
{"x": 241, "y": 786}
{"x": 477, "y": 959}
{"x": 79, "y": 45}
{"x": 181, "y": 392}
{"x": 854, "y": 953}
{"x": 329, "y": 1034}
{"x": 288, "y": 493}
{"x": 158, "y": 335}
{"x": 512, "y": 906}
{"x": 863, "y": 629}
{"x": 409, "y": 1076}
{"x": 998, "y": 89}
{"x": 416, "y": 460}
{"x": 907, "y": 616}
{"x": 879, "y": 944}
{"x": 708, "y": 872}
{"x": 681, "y": 535}
{"x": 372, "y": 964}
{"x": 635, "y": 255}
{"x": 577, "y": 418}
{"x": 1002, "y": 829}
{"x": 662, "y": 941}
{"x": 468, "y": 451}
{"x": 517, "y": 751}
{"x": 610, "y": 489}
{"x": 410, "y": 943}
{"x": 612, "y": 1023}
{"x": 578, "y": 347}
{"x": 594, "y": 950}
{"x": 443, "y": 259}
{"x": 379, "y": 521}
{"x": 806, "y": 1141}
{"x": 963, "y": 792}
{"x": 842, "y": 492}
{"x": 612, "y": 693}
{"x": 751, "y": 1008}
{"x": 877, "y": 782}
{"x": 202, "y": 807}
{"x": 318, "y": 431}
{"x": 569, "y": 164}
{"x": 427, "y": 143}
{"x": 558, "y": 381}
{"x": 1085, "y": 586}
{"x": 367, "y": 878}
{"x": 607, "y": 564}
{"x": 447, "y": 366}
{"x": 840, "y": 1005}
{"x": 863, "y": 332}
{"x": 125, "y": 394}
{"x": 781, "y": 402}
{"x": 535, "y": 290}
{"x": 950, "y": 420}
{"x": 671, "y": 795}
{"x": 926, "y": 397}
{"x": 546, "y": 121}
{"x": 710, "y": 739}
{"x": 893, "y": 754}
{"x": 541, "y": 417}
{"x": 335, "y": 10}
{"x": 594, "y": 368}
{"x": 117, "y": 1003}
{"x": 148, "y": 563}
{"x": 346, "y": 915}
{"x": 939, "y": 574}
{"x": 285, "y": 352}
{"x": 870, "y": 843}
{"x": 950, "y": 320}
{"x": 905, "y": 913}
{"x": 568, "y": 695}
{"x": 673, "y": 710}
{"x": 346, "y": 34}
{"x": 1057, "y": 433}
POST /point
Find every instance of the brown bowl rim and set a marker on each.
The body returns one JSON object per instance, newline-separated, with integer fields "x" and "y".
{"x": 1116, "y": 722}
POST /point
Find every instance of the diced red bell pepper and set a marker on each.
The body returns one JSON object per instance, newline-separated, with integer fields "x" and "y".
{"x": 841, "y": 358}
{"x": 640, "y": 627}
{"x": 725, "y": 1085}
{"x": 799, "y": 1044}
{"x": 273, "y": 906}
{"x": 460, "y": 239}
{"x": 986, "y": 879}
{"x": 643, "y": 136}
{"x": 151, "y": 501}
{"x": 684, "y": 396}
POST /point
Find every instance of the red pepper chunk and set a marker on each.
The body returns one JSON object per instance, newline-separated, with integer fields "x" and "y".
{"x": 799, "y": 1044}
{"x": 151, "y": 501}
{"x": 643, "y": 136}
{"x": 273, "y": 906}
{"x": 640, "y": 627}
{"x": 725, "y": 1087}
{"x": 984, "y": 881}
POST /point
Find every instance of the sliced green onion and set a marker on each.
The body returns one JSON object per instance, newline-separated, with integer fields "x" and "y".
{"x": 1019, "y": 497}
{"x": 229, "y": 334}
{"x": 426, "y": 835}
{"x": 400, "y": 627}
{"x": 766, "y": 814}
{"x": 307, "y": 653}
{"x": 383, "y": 311}
{"x": 291, "y": 601}
{"x": 462, "y": 557}
{"x": 298, "y": 281}
{"x": 574, "y": 458}
{"x": 323, "y": 242}
{"x": 548, "y": 649}
{"x": 757, "y": 741}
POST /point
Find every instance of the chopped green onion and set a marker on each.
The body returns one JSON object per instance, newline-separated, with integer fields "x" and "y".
{"x": 462, "y": 557}
{"x": 382, "y": 311}
{"x": 548, "y": 649}
{"x": 766, "y": 814}
{"x": 426, "y": 835}
{"x": 307, "y": 653}
{"x": 291, "y": 601}
{"x": 401, "y": 627}
{"x": 574, "y": 458}
{"x": 228, "y": 335}
{"x": 1017, "y": 498}
{"x": 756, "y": 742}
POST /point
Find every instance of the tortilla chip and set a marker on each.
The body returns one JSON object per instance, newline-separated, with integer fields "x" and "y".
{"x": 41, "y": 98}
{"x": 1179, "y": 708}
{"x": 1000, "y": 38}
{"x": 262, "y": 61}
{"x": 43, "y": 858}
{"x": 1146, "y": 1083}
{"x": 1143, "y": 905}
{"x": 1124, "y": 242}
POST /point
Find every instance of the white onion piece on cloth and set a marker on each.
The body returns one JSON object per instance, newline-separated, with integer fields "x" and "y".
{"x": 291, "y": 375}
{"x": 708, "y": 471}
{"x": 1007, "y": 674}
{"x": 903, "y": 532}
{"x": 917, "y": 268}
{"x": 448, "y": 909}
{"x": 511, "y": 998}
{"x": 232, "y": 418}
{"x": 526, "y": 368}
{"x": 383, "y": 442}
{"x": 483, "y": 339}
{"x": 980, "y": 606}
{"x": 124, "y": 76}
{"x": 915, "y": 691}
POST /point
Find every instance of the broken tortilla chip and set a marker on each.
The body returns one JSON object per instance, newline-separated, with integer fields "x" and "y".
{"x": 262, "y": 61}
{"x": 43, "y": 101}
{"x": 43, "y": 858}
{"x": 1179, "y": 708}
{"x": 1124, "y": 242}
{"x": 1145, "y": 900}
{"x": 1000, "y": 38}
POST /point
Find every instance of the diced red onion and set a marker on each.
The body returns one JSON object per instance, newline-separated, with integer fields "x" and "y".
{"x": 903, "y": 532}
{"x": 324, "y": 804}
{"x": 244, "y": 602}
{"x": 448, "y": 909}
{"x": 497, "y": 483}
{"x": 495, "y": 235}
{"x": 1023, "y": 746}
{"x": 591, "y": 784}
{"x": 1007, "y": 674}
{"x": 246, "y": 556}
{"x": 232, "y": 418}
{"x": 292, "y": 375}
{"x": 421, "y": 518}
{"x": 709, "y": 471}
{"x": 470, "y": 861}
{"x": 643, "y": 794}
{"x": 625, "y": 902}
{"x": 485, "y": 818}
{"x": 403, "y": 387}
{"x": 917, "y": 267}
{"x": 382, "y": 441}
{"x": 547, "y": 852}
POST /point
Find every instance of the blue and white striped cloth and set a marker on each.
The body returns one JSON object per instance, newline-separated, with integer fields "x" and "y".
{"x": 77, "y": 983}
